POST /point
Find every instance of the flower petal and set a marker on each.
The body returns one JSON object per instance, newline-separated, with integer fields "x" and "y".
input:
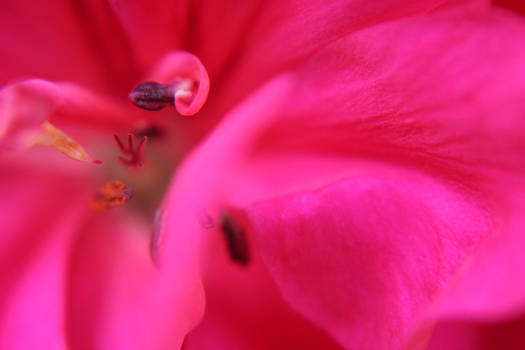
{"x": 36, "y": 235}
{"x": 457, "y": 335}
{"x": 117, "y": 298}
{"x": 65, "y": 40}
{"x": 256, "y": 40}
{"x": 366, "y": 254}
{"x": 153, "y": 27}
{"x": 229, "y": 29}
{"x": 489, "y": 291}
{"x": 24, "y": 106}
{"x": 516, "y": 5}
{"x": 244, "y": 309}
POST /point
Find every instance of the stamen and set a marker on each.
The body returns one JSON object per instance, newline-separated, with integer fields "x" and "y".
{"x": 54, "y": 137}
{"x": 153, "y": 96}
{"x": 135, "y": 155}
{"x": 235, "y": 240}
{"x": 113, "y": 194}
{"x": 178, "y": 79}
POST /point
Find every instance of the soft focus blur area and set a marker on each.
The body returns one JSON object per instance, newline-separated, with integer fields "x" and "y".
{"x": 252, "y": 175}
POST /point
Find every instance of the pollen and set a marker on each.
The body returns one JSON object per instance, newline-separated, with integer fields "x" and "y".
{"x": 57, "y": 139}
{"x": 113, "y": 194}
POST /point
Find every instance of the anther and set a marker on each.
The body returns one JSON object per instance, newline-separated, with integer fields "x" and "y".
{"x": 153, "y": 96}
{"x": 236, "y": 241}
{"x": 135, "y": 155}
{"x": 113, "y": 194}
{"x": 57, "y": 139}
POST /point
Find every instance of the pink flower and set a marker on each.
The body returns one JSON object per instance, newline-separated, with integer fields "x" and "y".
{"x": 354, "y": 179}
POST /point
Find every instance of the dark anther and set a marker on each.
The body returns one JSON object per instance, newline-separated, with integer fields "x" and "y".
{"x": 153, "y": 96}
{"x": 135, "y": 155}
{"x": 236, "y": 241}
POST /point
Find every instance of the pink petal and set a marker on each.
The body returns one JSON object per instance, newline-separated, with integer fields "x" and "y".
{"x": 363, "y": 256}
{"x": 84, "y": 281}
{"x": 179, "y": 235}
{"x": 117, "y": 298}
{"x": 24, "y": 106}
{"x": 153, "y": 27}
{"x": 69, "y": 40}
{"x": 256, "y": 40}
{"x": 275, "y": 32}
{"x": 244, "y": 309}
{"x": 36, "y": 234}
{"x": 364, "y": 247}
{"x": 490, "y": 290}
{"x": 516, "y": 5}
{"x": 459, "y": 335}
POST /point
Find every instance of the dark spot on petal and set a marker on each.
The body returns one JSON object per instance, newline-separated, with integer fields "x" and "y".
{"x": 236, "y": 241}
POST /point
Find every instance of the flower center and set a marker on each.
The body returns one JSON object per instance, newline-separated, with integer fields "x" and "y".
{"x": 29, "y": 111}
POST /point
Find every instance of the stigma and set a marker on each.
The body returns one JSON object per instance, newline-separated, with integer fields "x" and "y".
{"x": 57, "y": 139}
{"x": 134, "y": 155}
{"x": 112, "y": 194}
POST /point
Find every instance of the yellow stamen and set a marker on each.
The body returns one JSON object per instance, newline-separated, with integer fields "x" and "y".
{"x": 60, "y": 141}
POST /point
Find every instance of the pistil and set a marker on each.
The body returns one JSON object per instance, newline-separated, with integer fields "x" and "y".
{"x": 135, "y": 155}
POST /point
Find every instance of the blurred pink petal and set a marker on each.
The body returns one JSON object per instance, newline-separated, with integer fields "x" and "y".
{"x": 244, "y": 309}
{"x": 26, "y": 104}
{"x": 116, "y": 296}
{"x": 515, "y": 5}
{"x": 458, "y": 335}
{"x": 73, "y": 277}
{"x": 34, "y": 251}
{"x": 153, "y": 27}
{"x": 374, "y": 152}
{"x": 59, "y": 40}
